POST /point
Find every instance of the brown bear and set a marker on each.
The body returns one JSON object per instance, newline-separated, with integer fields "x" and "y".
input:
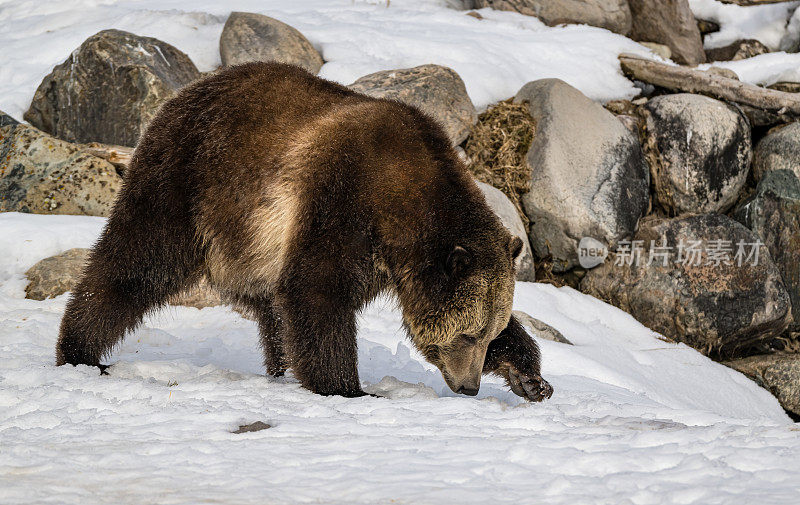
{"x": 301, "y": 201}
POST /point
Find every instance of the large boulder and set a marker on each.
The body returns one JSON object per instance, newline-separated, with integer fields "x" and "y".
{"x": 777, "y": 373}
{"x": 699, "y": 152}
{"x": 436, "y": 90}
{"x": 614, "y": 15}
{"x": 58, "y": 274}
{"x": 780, "y": 150}
{"x": 668, "y": 22}
{"x": 773, "y": 213}
{"x": 109, "y": 88}
{"x": 588, "y": 174}
{"x": 254, "y": 37}
{"x": 508, "y": 215}
{"x": 703, "y": 280}
{"x": 45, "y": 175}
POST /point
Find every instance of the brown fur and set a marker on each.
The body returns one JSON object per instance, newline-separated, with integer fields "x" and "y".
{"x": 302, "y": 200}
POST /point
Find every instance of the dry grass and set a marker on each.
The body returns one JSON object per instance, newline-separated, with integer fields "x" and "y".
{"x": 497, "y": 147}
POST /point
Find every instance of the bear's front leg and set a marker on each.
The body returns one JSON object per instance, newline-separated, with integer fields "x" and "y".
{"x": 514, "y": 356}
{"x": 318, "y": 316}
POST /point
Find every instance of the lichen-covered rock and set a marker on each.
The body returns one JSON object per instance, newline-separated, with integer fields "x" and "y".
{"x": 739, "y": 50}
{"x": 614, "y": 15}
{"x": 668, "y": 22}
{"x": 436, "y": 90}
{"x": 699, "y": 152}
{"x": 254, "y": 37}
{"x": 588, "y": 174}
{"x": 44, "y": 175}
{"x": 58, "y": 274}
{"x": 777, "y": 373}
{"x": 697, "y": 280}
{"x": 109, "y": 88}
{"x": 780, "y": 150}
{"x": 773, "y": 213}
{"x": 508, "y": 215}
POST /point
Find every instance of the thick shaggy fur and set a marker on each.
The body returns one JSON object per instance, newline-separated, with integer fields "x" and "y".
{"x": 301, "y": 201}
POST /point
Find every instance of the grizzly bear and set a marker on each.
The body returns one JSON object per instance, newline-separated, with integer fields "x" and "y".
{"x": 301, "y": 200}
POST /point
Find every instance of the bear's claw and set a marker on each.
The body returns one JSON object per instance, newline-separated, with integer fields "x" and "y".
{"x": 531, "y": 387}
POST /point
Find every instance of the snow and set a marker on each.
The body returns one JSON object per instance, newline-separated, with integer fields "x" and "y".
{"x": 633, "y": 419}
{"x": 766, "y": 23}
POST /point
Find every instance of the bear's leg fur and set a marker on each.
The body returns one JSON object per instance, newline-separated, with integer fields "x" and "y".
{"x": 515, "y": 356}
{"x": 145, "y": 255}
{"x": 318, "y": 302}
{"x": 270, "y": 332}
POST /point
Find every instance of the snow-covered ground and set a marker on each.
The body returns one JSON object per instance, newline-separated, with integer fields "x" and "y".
{"x": 495, "y": 56}
{"x": 633, "y": 419}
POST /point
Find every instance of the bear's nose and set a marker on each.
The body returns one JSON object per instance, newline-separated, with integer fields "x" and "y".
{"x": 467, "y": 391}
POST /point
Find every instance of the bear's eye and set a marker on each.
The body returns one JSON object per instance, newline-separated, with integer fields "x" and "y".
{"x": 469, "y": 339}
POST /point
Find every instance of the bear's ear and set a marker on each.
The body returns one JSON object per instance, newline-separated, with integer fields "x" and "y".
{"x": 515, "y": 247}
{"x": 458, "y": 261}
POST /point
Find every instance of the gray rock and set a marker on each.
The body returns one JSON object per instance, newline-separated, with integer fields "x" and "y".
{"x": 539, "y": 328}
{"x": 777, "y": 373}
{"x": 508, "y": 215}
{"x": 44, "y": 175}
{"x": 699, "y": 152}
{"x": 58, "y": 274}
{"x": 109, "y": 88}
{"x": 588, "y": 174}
{"x": 252, "y": 427}
{"x": 436, "y": 90}
{"x": 780, "y": 150}
{"x": 739, "y": 50}
{"x": 254, "y": 37}
{"x": 668, "y": 22}
{"x": 614, "y": 15}
{"x": 658, "y": 49}
{"x": 773, "y": 213}
{"x": 697, "y": 289}
{"x": 55, "y": 275}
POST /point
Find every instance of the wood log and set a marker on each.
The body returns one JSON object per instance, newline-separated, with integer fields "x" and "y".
{"x": 785, "y": 106}
{"x": 119, "y": 156}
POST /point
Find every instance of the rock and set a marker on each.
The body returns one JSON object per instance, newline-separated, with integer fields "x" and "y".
{"x": 773, "y": 214}
{"x": 44, "y": 175}
{"x": 249, "y": 428}
{"x": 791, "y": 38}
{"x": 109, "y": 88}
{"x": 539, "y": 328}
{"x": 588, "y": 174}
{"x": 614, "y": 15}
{"x": 58, "y": 274}
{"x": 777, "y": 373}
{"x": 658, "y": 49}
{"x": 723, "y": 72}
{"x": 704, "y": 285}
{"x": 739, "y": 50}
{"x": 668, "y": 22}
{"x": 254, "y": 37}
{"x": 55, "y": 275}
{"x": 789, "y": 87}
{"x": 6, "y": 120}
{"x": 508, "y": 215}
{"x": 779, "y": 150}
{"x": 699, "y": 151}
{"x": 435, "y": 89}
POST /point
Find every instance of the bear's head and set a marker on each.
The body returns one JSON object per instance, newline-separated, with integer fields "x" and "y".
{"x": 454, "y": 307}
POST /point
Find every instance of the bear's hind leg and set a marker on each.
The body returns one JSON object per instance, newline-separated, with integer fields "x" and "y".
{"x": 138, "y": 263}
